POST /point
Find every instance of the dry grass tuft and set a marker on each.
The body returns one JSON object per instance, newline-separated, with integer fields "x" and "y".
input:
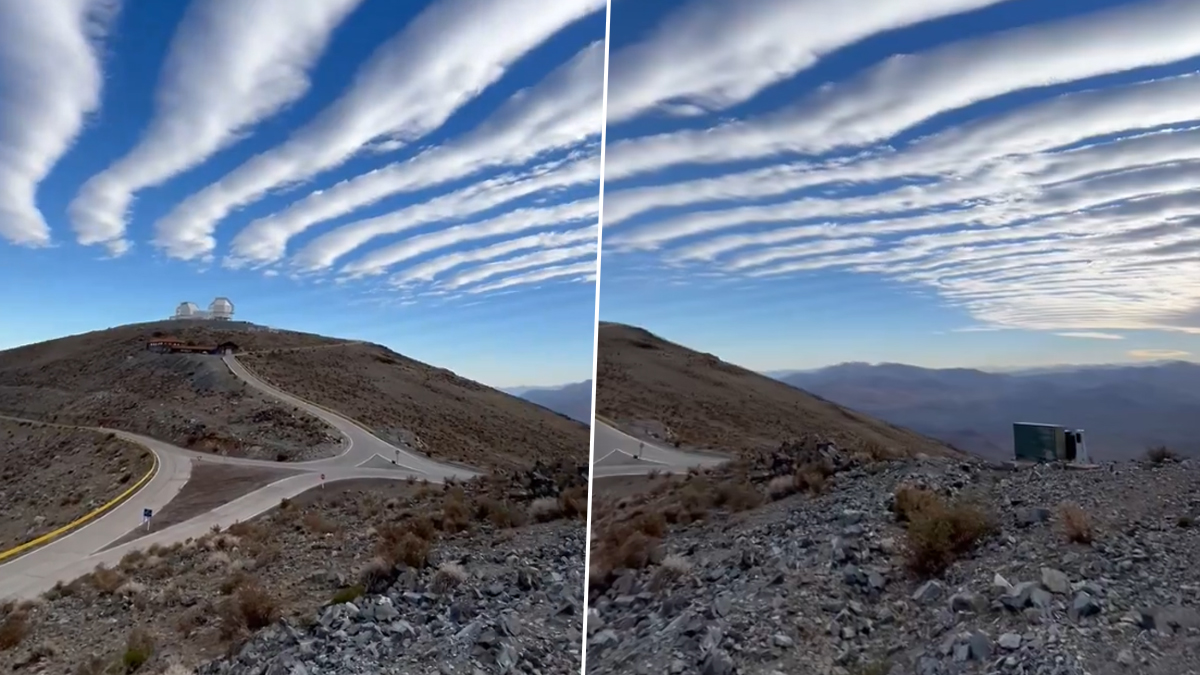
{"x": 1161, "y": 454}
{"x": 13, "y": 629}
{"x": 939, "y": 531}
{"x": 250, "y": 610}
{"x": 139, "y": 647}
{"x": 447, "y": 577}
{"x": 106, "y": 580}
{"x": 1076, "y": 524}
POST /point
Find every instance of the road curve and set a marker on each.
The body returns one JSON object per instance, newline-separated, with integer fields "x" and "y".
{"x": 77, "y": 553}
{"x": 615, "y": 451}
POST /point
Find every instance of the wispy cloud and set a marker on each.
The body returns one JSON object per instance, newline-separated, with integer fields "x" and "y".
{"x": 1158, "y": 354}
{"x": 50, "y": 80}
{"x": 1083, "y": 335}
{"x": 1069, "y": 208}
{"x": 409, "y": 87}
{"x": 231, "y": 64}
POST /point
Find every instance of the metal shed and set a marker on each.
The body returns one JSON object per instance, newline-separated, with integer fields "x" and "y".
{"x": 1035, "y": 442}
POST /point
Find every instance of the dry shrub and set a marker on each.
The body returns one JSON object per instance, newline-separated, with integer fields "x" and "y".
{"x": 910, "y": 500}
{"x": 780, "y": 487}
{"x": 106, "y": 580}
{"x": 672, "y": 569}
{"x": 139, "y": 647}
{"x": 939, "y": 532}
{"x": 318, "y": 524}
{"x": 1161, "y": 454}
{"x": 233, "y": 582}
{"x": 1076, "y": 524}
{"x": 501, "y": 514}
{"x": 652, "y": 524}
{"x": 376, "y": 575}
{"x": 423, "y": 526}
{"x": 456, "y": 515}
{"x": 545, "y": 509}
{"x": 13, "y": 630}
{"x": 250, "y": 610}
{"x": 252, "y": 532}
{"x": 402, "y": 545}
{"x": 738, "y": 496}
{"x": 448, "y": 576}
{"x": 349, "y": 594}
{"x": 811, "y": 477}
{"x": 573, "y": 502}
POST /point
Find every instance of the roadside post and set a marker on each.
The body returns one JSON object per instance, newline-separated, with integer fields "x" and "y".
{"x": 322, "y": 481}
{"x": 147, "y": 514}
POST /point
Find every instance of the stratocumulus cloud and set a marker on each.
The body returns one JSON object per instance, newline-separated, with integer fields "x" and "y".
{"x": 1039, "y": 177}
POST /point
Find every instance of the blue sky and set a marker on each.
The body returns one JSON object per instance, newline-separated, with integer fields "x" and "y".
{"x": 982, "y": 183}
{"x": 424, "y": 175}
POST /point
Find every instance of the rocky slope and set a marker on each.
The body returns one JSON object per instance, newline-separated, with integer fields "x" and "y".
{"x": 107, "y": 378}
{"x": 430, "y": 408}
{"x": 646, "y": 383}
{"x": 449, "y": 560}
{"x": 52, "y": 475}
{"x": 1080, "y": 572}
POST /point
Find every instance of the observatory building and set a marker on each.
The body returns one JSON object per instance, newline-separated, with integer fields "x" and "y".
{"x": 220, "y": 309}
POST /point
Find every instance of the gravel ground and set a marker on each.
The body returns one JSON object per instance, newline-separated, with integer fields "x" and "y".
{"x": 818, "y": 584}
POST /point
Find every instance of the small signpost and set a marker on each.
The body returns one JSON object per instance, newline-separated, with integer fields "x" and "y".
{"x": 322, "y": 481}
{"x": 147, "y": 514}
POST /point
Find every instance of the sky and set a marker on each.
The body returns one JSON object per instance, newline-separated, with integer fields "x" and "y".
{"x": 978, "y": 183}
{"x": 422, "y": 175}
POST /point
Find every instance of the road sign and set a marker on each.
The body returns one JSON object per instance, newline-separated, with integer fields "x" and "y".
{"x": 147, "y": 514}
{"x": 322, "y": 481}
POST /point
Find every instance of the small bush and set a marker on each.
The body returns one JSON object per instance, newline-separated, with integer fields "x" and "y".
{"x": 1077, "y": 526}
{"x": 258, "y": 609}
{"x": 573, "y": 502}
{"x": 781, "y": 486}
{"x": 1185, "y": 521}
{"x": 911, "y": 500}
{"x": 106, "y": 580}
{"x": 1161, "y": 454}
{"x": 139, "y": 647}
{"x": 376, "y": 575}
{"x": 671, "y": 569}
{"x": 456, "y": 516}
{"x": 502, "y": 514}
{"x": 545, "y": 509}
{"x": 13, "y": 630}
{"x": 317, "y": 524}
{"x": 809, "y": 478}
{"x": 448, "y": 576}
{"x": 349, "y": 594}
{"x": 738, "y": 496}
{"x": 408, "y": 549}
{"x": 940, "y": 532}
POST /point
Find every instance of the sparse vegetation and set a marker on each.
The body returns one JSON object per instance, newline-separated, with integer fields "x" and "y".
{"x": 348, "y": 594}
{"x": 13, "y": 629}
{"x": 939, "y": 531}
{"x": 139, "y": 647}
{"x": 1160, "y": 454}
{"x": 1076, "y": 524}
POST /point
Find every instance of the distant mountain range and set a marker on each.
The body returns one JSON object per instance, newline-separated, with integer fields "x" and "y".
{"x": 1123, "y": 409}
{"x": 573, "y": 400}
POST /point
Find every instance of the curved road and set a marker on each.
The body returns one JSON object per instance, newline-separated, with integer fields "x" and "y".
{"x": 77, "y": 553}
{"x": 615, "y": 455}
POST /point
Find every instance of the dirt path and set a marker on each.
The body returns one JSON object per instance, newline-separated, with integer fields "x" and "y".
{"x": 211, "y": 486}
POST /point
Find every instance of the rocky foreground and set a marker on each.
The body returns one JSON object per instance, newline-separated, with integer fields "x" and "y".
{"x": 822, "y": 584}
{"x": 517, "y": 608}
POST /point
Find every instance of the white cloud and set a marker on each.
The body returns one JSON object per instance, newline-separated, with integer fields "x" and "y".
{"x": 518, "y": 220}
{"x": 583, "y": 271}
{"x": 559, "y": 112}
{"x": 712, "y": 54}
{"x": 1083, "y": 335}
{"x": 521, "y": 262}
{"x": 231, "y": 64}
{"x": 909, "y": 89}
{"x": 327, "y": 249}
{"x": 50, "y": 80}
{"x": 409, "y": 87}
{"x": 430, "y": 269}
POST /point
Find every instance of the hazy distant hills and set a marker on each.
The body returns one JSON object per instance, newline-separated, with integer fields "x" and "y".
{"x": 1123, "y": 409}
{"x": 573, "y": 400}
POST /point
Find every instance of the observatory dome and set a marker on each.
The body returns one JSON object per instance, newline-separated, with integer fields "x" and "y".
{"x": 186, "y": 310}
{"x": 221, "y": 308}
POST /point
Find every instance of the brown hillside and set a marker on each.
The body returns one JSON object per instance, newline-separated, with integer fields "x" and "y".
{"x": 644, "y": 380}
{"x": 108, "y": 378}
{"x": 451, "y": 417}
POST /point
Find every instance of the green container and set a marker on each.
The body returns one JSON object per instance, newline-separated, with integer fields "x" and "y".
{"x": 1039, "y": 442}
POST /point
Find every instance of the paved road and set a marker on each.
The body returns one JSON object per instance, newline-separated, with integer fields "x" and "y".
{"x": 615, "y": 456}
{"x": 77, "y": 553}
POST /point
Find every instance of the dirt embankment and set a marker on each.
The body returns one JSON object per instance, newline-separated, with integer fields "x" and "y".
{"x": 429, "y": 408}
{"x": 108, "y": 378}
{"x": 649, "y": 384}
{"x": 52, "y": 476}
